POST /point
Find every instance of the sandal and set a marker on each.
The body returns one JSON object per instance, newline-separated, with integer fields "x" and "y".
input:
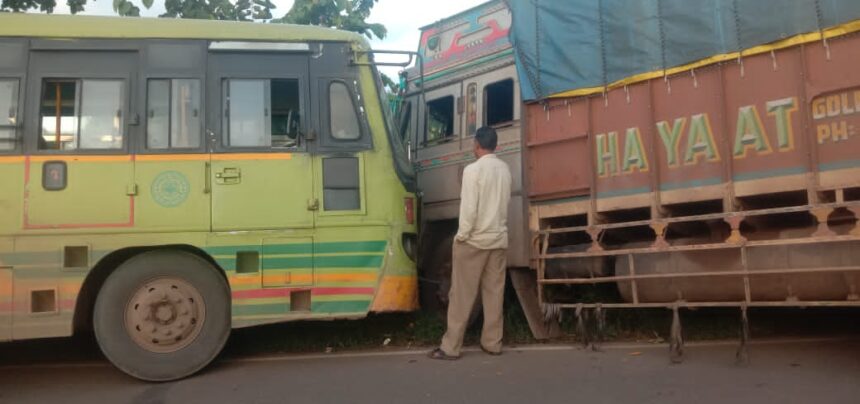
{"x": 438, "y": 353}
{"x": 489, "y": 352}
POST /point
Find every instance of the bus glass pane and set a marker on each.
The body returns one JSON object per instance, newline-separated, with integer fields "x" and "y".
{"x": 173, "y": 114}
{"x": 344, "y": 122}
{"x": 158, "y": 114}
{"x": 185, "y": 126}
{"x": 59, "y": 115}
{"x": 101, "y": 114}
{"x": 246, "y": 110}
{"x": 8, "y": 113}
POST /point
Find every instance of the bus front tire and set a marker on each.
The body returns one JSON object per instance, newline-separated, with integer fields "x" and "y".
{"x": 162, "y": 315}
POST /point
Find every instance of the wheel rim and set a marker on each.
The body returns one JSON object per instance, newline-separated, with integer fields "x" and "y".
{"x": 165, "y": 315}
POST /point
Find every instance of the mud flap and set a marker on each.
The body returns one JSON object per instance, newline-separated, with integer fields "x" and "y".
{"x": 524, "y": 281}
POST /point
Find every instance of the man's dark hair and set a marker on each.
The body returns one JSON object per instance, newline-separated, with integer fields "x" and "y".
{"x": 487, "y": 138}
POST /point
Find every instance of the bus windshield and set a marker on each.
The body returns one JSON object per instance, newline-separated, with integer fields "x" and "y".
{"x": 402, "y": 164}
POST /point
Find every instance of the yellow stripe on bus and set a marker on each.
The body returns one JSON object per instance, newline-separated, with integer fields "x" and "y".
{"x": 150, "y": 157}
{"x": 252, "y": 156}
{"x": 172, "y": 157}
{"x": 88, "y": 159}
{"x": 11, "y": 159}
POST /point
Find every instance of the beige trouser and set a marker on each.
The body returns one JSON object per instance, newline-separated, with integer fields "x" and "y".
{"x": 475, "y": 269}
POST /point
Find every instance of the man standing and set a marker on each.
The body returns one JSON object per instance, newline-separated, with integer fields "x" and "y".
{"x": 480, "y": 249}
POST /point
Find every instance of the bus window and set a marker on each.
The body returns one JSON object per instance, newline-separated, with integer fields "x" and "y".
{"x": 499, "y": 103}
{"x": 441, "y": 118}
{"x": 8, "y": 113}
{"x": 342, "y": 117}
{"x": 173, "y": 114}
{"x": 81, "y": 114}
{"x": 261, "y": 113}
{"x": 341, "y": 184}
{"x": 285, "y": 113}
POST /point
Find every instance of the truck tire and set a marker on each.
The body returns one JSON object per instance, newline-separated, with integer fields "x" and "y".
{"x": 162, "y": 315}
{"x": 440, "y": 272}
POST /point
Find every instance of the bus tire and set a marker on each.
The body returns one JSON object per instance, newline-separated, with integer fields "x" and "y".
{"x": 162, "y": 315}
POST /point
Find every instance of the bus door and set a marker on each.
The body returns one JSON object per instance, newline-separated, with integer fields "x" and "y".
{"x": 79, "y": 173}
{"x": 261, "y": 171}
{"x": 344, "y": 133}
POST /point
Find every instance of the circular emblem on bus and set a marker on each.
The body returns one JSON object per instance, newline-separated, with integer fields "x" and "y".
{"x": 170, "y": 189}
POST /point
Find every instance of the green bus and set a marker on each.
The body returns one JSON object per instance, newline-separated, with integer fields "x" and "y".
{"x": 164, "y": 181}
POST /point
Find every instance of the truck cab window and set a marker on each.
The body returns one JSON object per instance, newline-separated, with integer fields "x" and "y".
{"x": 81, "y": 114}
{"x": 499, "y": 103}
{"x": 173, "y": 114}
{"x": 440, "y": 113}
{"x": 8, "y": 113}
{"x": 261, "y": 112}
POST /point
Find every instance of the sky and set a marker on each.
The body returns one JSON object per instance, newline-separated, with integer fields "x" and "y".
{"x": 402, "y": 18}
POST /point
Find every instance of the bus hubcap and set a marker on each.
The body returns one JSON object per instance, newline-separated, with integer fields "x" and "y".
{"x": 165, "y": 315}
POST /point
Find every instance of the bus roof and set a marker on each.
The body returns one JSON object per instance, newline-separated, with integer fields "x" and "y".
{"x": 90, "y": 27}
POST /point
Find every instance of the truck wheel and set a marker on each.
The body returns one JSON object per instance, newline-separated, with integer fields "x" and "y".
{"x": 162, "y": 315}
{"x": 441, "y": 273}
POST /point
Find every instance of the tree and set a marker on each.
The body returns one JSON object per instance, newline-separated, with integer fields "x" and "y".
{"x": 46, "y": 6}
{"x": 349, "y": 15}
{"x": 241, "y": 10}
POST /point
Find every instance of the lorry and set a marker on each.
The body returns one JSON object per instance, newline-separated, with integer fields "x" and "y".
{"x": 672, "y": 154}
{"x": 691, "y": 154}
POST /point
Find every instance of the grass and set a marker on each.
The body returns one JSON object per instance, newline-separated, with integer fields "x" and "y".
{"x": 424, "y": 330}
{"x": 399, "y": 330}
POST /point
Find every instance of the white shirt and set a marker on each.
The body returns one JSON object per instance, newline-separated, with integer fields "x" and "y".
{"x": 484, "y": 201}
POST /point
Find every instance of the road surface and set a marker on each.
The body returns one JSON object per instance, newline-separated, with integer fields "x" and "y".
{"x": 824, "y": 370}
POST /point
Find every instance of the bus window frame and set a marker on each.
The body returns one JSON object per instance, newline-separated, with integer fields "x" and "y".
{"x": 329, "y": 142}
{"x": 220, "y": 135}
{"x": 196, "y": 71}
{"x": 38, "y": 74}
{"x": 17, "y": 141}
{"x": 142, "y": 141}
{"x": 126, "y": 108}
{"x": 227, "y": 65}
{"x": 14, "y": 67}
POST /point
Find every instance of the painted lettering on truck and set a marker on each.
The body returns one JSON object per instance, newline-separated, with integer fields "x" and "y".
{"x": 689, "y": 140}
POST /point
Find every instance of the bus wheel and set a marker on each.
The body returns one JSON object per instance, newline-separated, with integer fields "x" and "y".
{"x": 162, "y": 315}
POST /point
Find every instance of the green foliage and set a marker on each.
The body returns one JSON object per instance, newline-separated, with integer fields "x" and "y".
{"x": 349, "y": 15}
{"x": 241, "y": 10}
{"x": 41, "y": 5}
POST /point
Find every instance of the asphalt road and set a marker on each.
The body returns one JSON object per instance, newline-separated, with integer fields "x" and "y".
{"x": 796, "y": 371}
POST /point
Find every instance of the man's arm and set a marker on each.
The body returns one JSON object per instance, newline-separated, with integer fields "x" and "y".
{"x": 468, "y": 204}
